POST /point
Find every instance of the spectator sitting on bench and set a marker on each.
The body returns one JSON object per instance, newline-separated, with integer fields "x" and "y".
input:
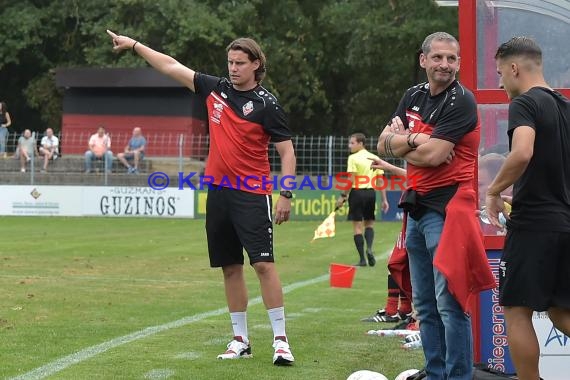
{"x": 26, "y": 149}
{"x": 99, "y": 149}
{"x": 133, "y": 151}
{"x": 49, "y": 148}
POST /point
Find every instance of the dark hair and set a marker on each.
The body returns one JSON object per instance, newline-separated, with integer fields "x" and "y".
{"x": 3, "y": 110}
{"x": 520, "y": 47}
{"x": 438, "y": 36}
{"x": 360, "y": 137}
{"x": 253, "y": 51}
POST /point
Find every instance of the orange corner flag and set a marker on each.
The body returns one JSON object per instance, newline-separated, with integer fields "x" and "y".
{"x": 327, "y": 227}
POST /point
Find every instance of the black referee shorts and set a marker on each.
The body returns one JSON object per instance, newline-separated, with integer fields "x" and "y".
{"x": 361, "y": 204}
{"x": 535, "y": 270}
{"x": 236, "y": 220}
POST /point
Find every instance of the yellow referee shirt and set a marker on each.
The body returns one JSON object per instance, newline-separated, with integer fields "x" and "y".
{"x": 359, "y": 165}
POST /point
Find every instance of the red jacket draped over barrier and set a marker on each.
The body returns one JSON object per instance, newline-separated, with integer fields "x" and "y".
{"x": 460, "y": 254}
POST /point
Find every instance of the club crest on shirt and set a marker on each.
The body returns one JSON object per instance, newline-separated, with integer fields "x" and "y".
{"x": 247, "y": 108}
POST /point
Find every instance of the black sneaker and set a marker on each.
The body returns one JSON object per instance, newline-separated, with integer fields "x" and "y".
{"x": 389, "y": 318}
{"x": 404, "y": 316}
{"x": 360, "y": 264}
{"x": 371, "y": 258}
{"x": 381, "y": 316}
{"x": 372, "y": 318}
{"x": 404, "y": 324}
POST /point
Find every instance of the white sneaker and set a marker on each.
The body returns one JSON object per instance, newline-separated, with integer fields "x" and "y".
{"x": 282, "y": 355}
{"x": 237, "y": 349}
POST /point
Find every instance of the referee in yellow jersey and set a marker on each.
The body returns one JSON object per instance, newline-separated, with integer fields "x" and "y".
{"x": 362, "y": 197}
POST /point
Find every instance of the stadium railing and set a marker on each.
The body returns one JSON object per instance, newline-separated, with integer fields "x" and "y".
{"x": 168, "y": 152}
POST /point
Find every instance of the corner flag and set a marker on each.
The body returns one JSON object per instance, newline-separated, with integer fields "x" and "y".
{"x": 327, "y": 227}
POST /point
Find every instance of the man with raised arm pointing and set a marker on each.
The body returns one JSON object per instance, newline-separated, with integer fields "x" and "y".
{"x": 244, "y": 118}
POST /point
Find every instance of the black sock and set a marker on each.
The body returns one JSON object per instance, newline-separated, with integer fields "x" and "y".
{"x": 359, "y": 242}
{"x": 393, "y": 297}
{"x": 369, "y": 236}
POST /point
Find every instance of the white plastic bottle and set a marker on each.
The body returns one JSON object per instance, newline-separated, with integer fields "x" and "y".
{"x": 485, "y": 219}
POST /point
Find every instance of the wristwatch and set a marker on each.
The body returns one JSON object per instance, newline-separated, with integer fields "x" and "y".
{"x": 286, "y": 193}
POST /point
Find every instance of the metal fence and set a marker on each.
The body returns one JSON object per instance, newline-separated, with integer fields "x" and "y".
{"x": 316, "y": 155}
{"x": 323, "y": 155}
{"x": 167, "y": 144}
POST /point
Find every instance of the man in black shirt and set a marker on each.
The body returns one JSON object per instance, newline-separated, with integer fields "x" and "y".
{"x": 243, "y": 119}
{"x": 436, "y": 130}
{"x": 535, "y": 266}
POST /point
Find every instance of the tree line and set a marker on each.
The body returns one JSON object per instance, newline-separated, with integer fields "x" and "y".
{"x": 336, "y": 66}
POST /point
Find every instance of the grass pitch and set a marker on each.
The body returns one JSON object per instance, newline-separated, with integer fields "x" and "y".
{"x": 102, "y": 298}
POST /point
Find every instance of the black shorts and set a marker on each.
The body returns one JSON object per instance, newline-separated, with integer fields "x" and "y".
{"x": 236, "y": 220}
{"x": 361, "y": 204}
{"x": 535, "y": 270}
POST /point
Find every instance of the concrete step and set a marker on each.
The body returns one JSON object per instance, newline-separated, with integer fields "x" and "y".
{"x": 172, "y": 166}
{"x": 76, "y": 164}
{"x": 91, "y": 179}
{"x": 70, "y": 170}
{"x": 72, "y": 179}
{"x": 113, "y": 179}
{"x": 67, "y": 164}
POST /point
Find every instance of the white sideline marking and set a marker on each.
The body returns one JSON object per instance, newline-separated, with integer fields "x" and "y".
{"x": 188, "y": 355}
{"x": 159, "y": 374}
{"x": 294, "y": 315}
{"x": 312, "y": 309}
{"x": 265, "y": 326}
{"x": 89, "y": 352}
{"x": 386, "y": 254}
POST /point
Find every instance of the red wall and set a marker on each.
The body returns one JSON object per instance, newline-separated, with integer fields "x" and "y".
{"x": 162, "y": 133}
